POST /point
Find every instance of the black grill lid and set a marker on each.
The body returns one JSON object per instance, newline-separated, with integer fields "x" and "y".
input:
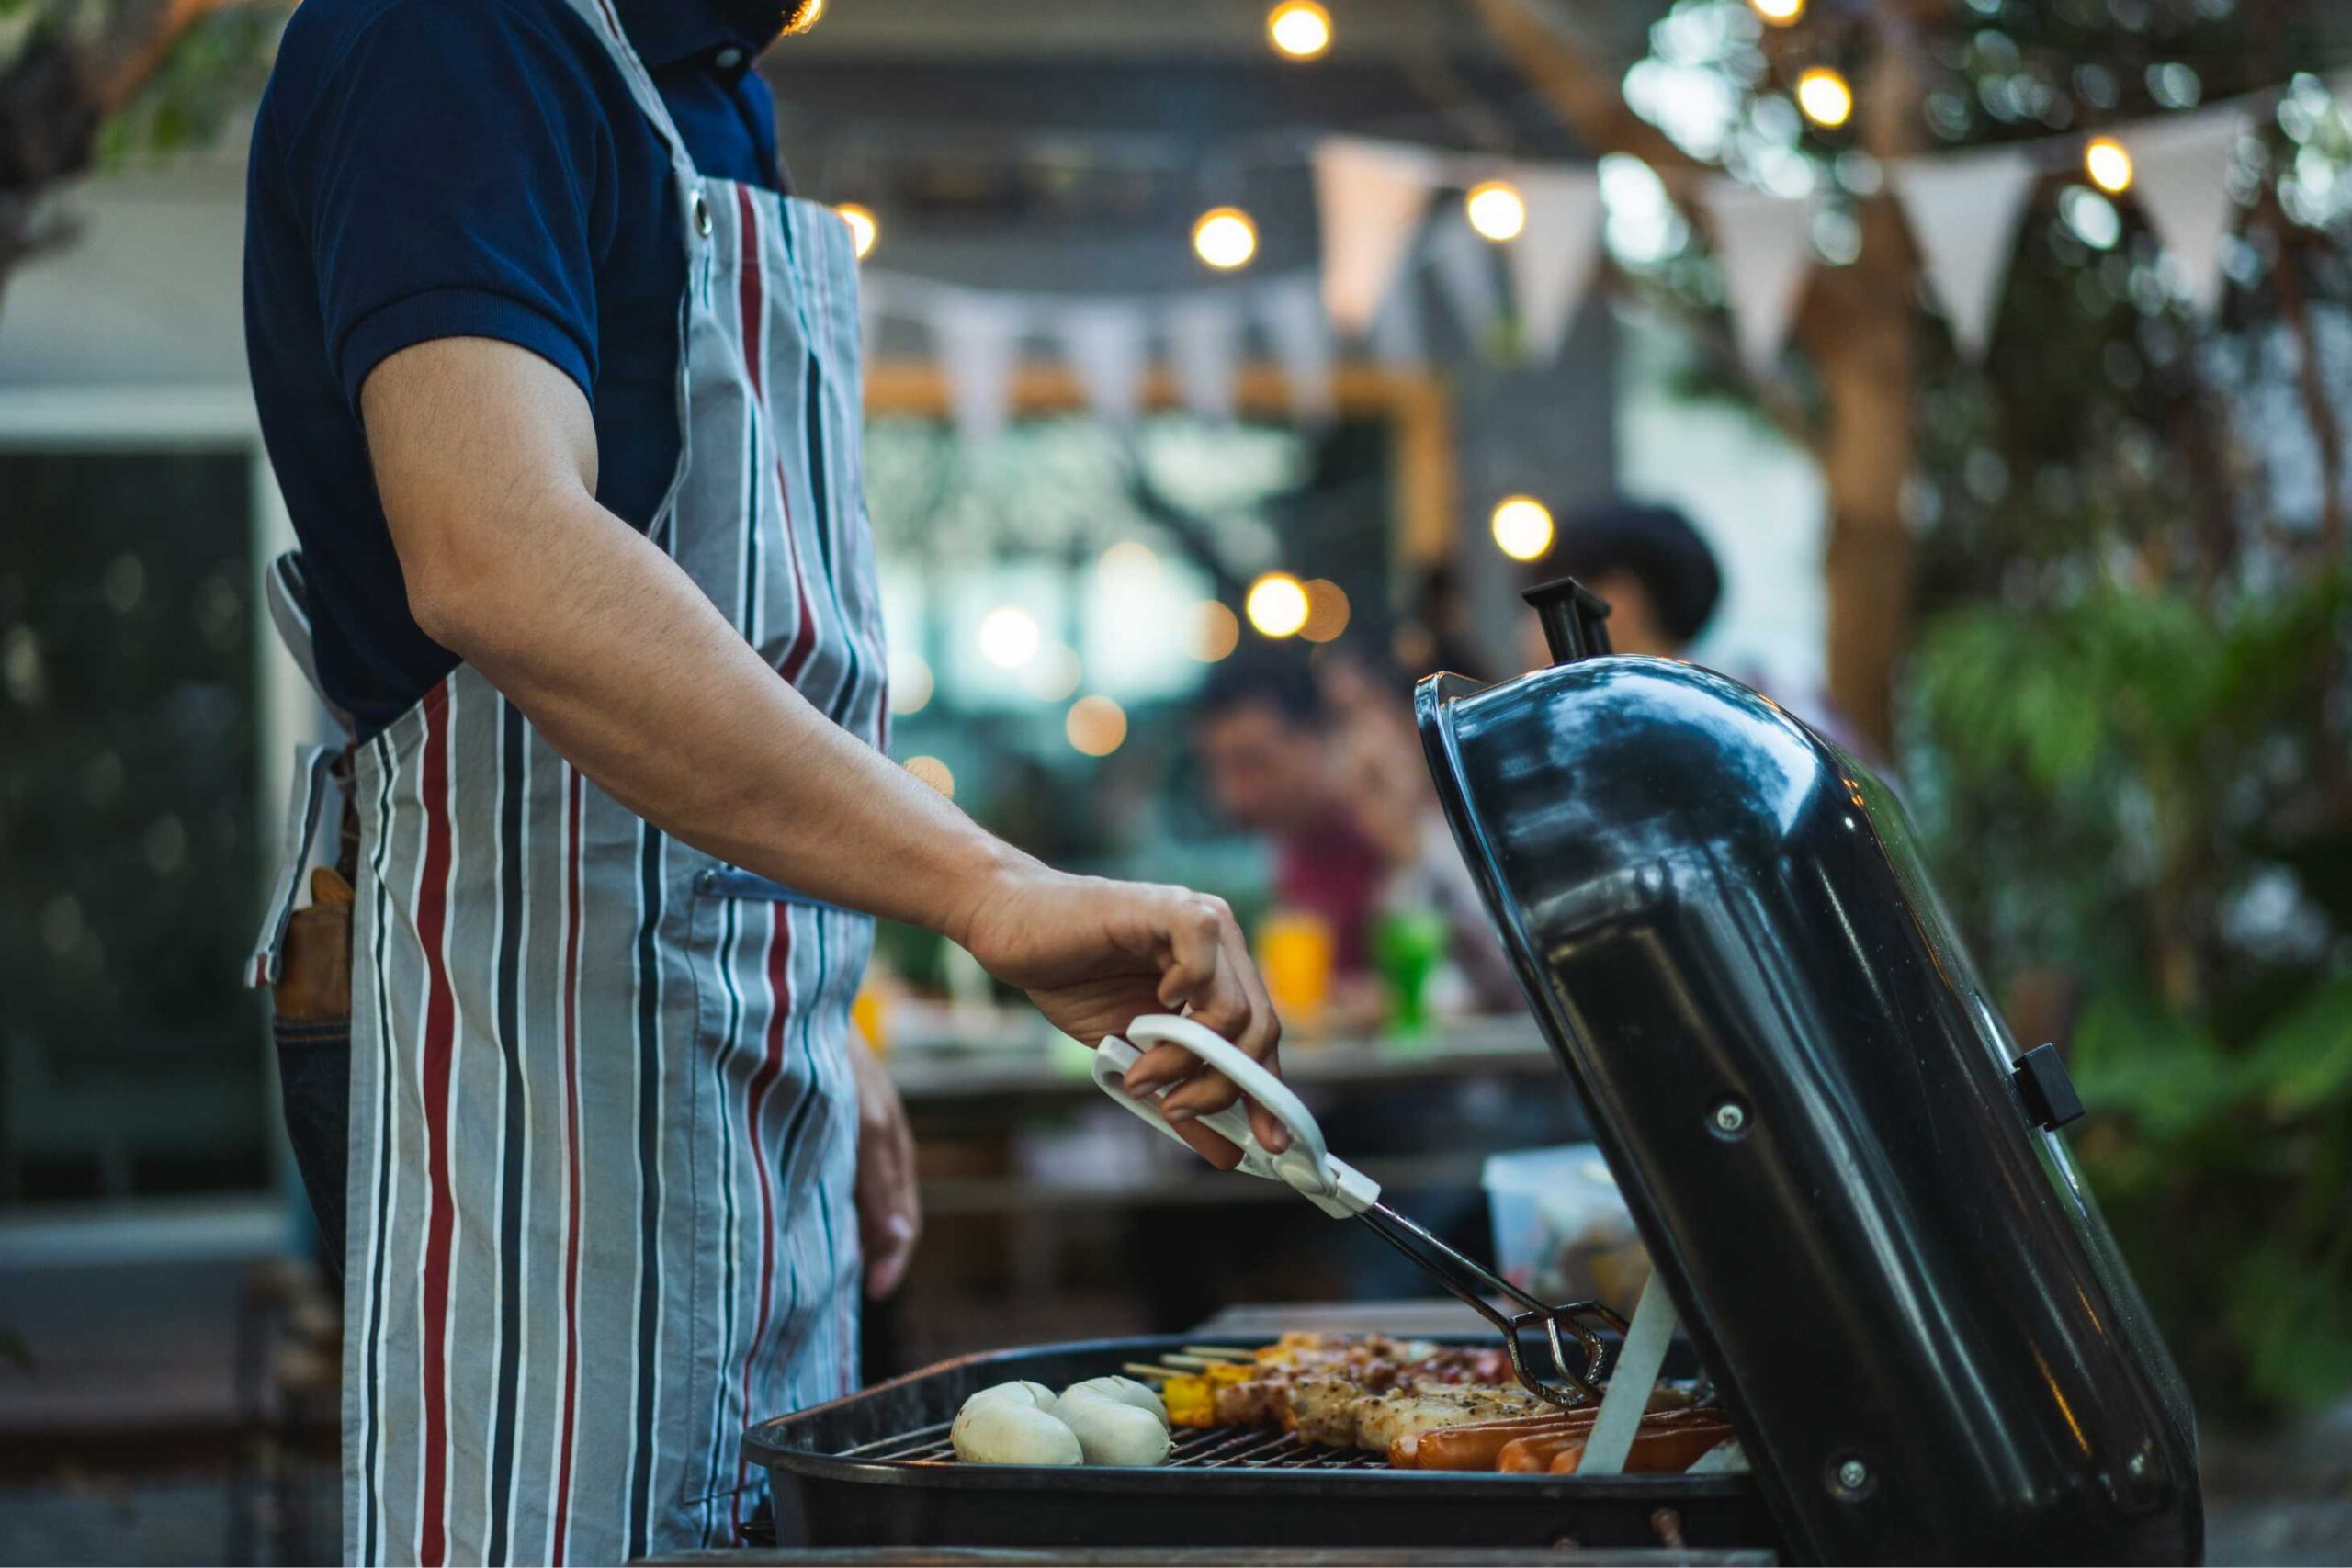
{"x": 1840, "y": 1165}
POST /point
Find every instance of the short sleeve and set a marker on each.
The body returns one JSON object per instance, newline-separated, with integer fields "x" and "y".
{"x": 448, "y": 174}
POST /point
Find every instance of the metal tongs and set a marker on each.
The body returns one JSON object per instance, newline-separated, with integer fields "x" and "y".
{"x": 1341, "y": 1190}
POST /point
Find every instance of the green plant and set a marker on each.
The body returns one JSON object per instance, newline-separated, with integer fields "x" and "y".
{"x": 2137, "y": 784}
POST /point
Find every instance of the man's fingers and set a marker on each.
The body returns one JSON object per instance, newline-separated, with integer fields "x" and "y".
{"x": 1193, "y": 933}
{"x": 1220, "y": 1152}
{"x": 1260, "y": 1039}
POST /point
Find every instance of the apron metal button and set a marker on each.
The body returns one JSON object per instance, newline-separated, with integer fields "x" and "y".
{"x": 702, "y": 216}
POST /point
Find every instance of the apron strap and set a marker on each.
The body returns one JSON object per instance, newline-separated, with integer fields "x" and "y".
{"x": 314, "y": 776}
{"x": 288, "y": 594}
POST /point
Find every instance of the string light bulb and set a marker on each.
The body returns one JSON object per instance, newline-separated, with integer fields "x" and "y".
{"x": 1225, "y": 237}
{"x": 1824, "y": 97}
{"x": 1095, "y": 726}
{"x": 1217, "y": 631}
{"x": 1327, "y": 611}
{"x": 1276, "y": 604}
{"x": 863, "y": 228}
{"x": 1299, "y": 29}
{"x": 1009, "y": 636}
{"x": 1496, "y": 210}
{"x": 2108, "y": 164}
{"x": 1780, "y": 12}
{"x": 1522, "y": 526}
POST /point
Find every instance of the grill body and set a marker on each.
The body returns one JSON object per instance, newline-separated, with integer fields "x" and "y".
{"x": 875, "y": 1469}
{"x": 1929, "y": 1344}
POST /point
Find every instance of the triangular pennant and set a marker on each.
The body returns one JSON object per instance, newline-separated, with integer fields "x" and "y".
{"x": 1369, "y": 197}
{"x": 978, "y": 340}
{"x": 1963, "y": 211}
{"x": 1301, "y": 334}
{"x": 1765, "y": 246}
{"x": 1465, "y": 272}
{"x": 1204, "y": 347}
{"x": 1551, "y": 260}
{"x": 1106, "y": 349}
{"x": 2178, "y": 166}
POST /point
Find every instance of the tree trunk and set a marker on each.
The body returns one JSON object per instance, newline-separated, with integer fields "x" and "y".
{"x": 1858, "y": 328}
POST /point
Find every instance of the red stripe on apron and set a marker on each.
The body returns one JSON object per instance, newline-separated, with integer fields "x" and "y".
{"x": 440, "y": 1028}
{"x": 561, "y": 1545}
{"x": 779, "y": 965}
{"x": 753, "y": 302}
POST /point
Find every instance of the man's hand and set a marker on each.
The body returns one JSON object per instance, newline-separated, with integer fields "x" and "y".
{"x": 889, "y": 1210}
{"x": 1094, "y": 955}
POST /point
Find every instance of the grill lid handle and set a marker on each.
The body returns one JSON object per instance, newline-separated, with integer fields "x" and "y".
{"x": 1575, "y": 619}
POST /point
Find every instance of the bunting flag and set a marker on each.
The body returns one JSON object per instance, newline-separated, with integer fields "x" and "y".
{"x": 2179, "y": 168}
{"x": 1551, "y": 260}
{"x": 1369, "y": 196}
{"x": 1301, "y": 335}
{"x": 1964, "y": 211}
{"x": 1205, "y": 348}
{"x": 978, "y": 339}
{"x": 1466, "y": 275}
{"x": 1765, "y": 246}
{"x": 1105, "y": 346}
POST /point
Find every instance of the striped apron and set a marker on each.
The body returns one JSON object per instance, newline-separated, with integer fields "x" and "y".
{"x": 602, "y": 1126}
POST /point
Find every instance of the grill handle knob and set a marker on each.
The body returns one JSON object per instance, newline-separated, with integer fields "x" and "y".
{"x": 1575, "y": 619}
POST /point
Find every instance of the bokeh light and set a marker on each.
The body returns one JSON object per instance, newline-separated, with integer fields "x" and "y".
{"x": 1824, "y": 97}
{"x": 1053, "y": 674}
{"x": 1522, "y": 526}
{"x": 2108, "y": 164}
{"x": 1225, "y": 237}
{"x": 910, "y": 683}
{"x": 1217, "y": 631}
{"x": 934, "y": 773}
{"x": 1276, "y": 604}
{"x": 1096, "y": 725}
{"x": 1780, "y": 12}
{"x": 1299, "y": 29}
{"x": 1009, "y": 636}
{"x": 1496, "y": 210}
{"x": 1327, "y": 611}
{"x": 863, "y": 228}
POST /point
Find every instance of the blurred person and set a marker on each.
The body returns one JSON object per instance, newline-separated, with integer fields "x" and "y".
{"x": 1662, "y": 582}
{"x": 560, "y": 386}
{"x": 1337, "y": 785}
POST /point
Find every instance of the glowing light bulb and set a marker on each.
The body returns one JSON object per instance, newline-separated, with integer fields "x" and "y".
{"x": 1217, "y": 632}
{"x": 1095, "y": 726}
{"x": 1780, "y": 12}
{"x": 2108, "y": 164}
{"x": 1225, "y": 237}
{"x": 934, "y": 773}
{"x": 1522, "y": 526}
{"x": 1009, "y": 636}
{"x": 1299, "y": 28}
{"x": 863, "y": 229}
{"x": 1276, "y": 604}
{"x": 1496, "y": 210}
{"x": 1824, "y": 97}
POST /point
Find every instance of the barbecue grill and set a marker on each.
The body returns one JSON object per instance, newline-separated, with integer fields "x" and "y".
{"x": 1850, "y": 1182}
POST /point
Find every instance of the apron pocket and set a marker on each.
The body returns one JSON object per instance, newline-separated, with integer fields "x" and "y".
{"x": 314, "y": 1083}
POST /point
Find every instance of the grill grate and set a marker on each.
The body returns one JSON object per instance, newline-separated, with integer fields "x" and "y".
{"x": 1207, "y": 1447}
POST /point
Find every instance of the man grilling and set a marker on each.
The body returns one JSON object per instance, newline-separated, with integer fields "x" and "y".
{"x": 562, "y": 387}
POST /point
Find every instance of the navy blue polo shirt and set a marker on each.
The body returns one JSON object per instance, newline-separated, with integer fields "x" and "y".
{"x": 425, "y": 169}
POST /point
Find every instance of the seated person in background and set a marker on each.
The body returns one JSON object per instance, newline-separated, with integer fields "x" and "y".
{"x": 1334, "y": 779}
{"x": 1662, "y": 583}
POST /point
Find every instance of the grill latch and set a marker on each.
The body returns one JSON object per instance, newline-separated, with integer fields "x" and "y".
{"x": 2047, "y": 1093}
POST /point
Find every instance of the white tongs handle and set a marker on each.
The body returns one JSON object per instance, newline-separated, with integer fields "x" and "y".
{"x": 1332, "y": 1184}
